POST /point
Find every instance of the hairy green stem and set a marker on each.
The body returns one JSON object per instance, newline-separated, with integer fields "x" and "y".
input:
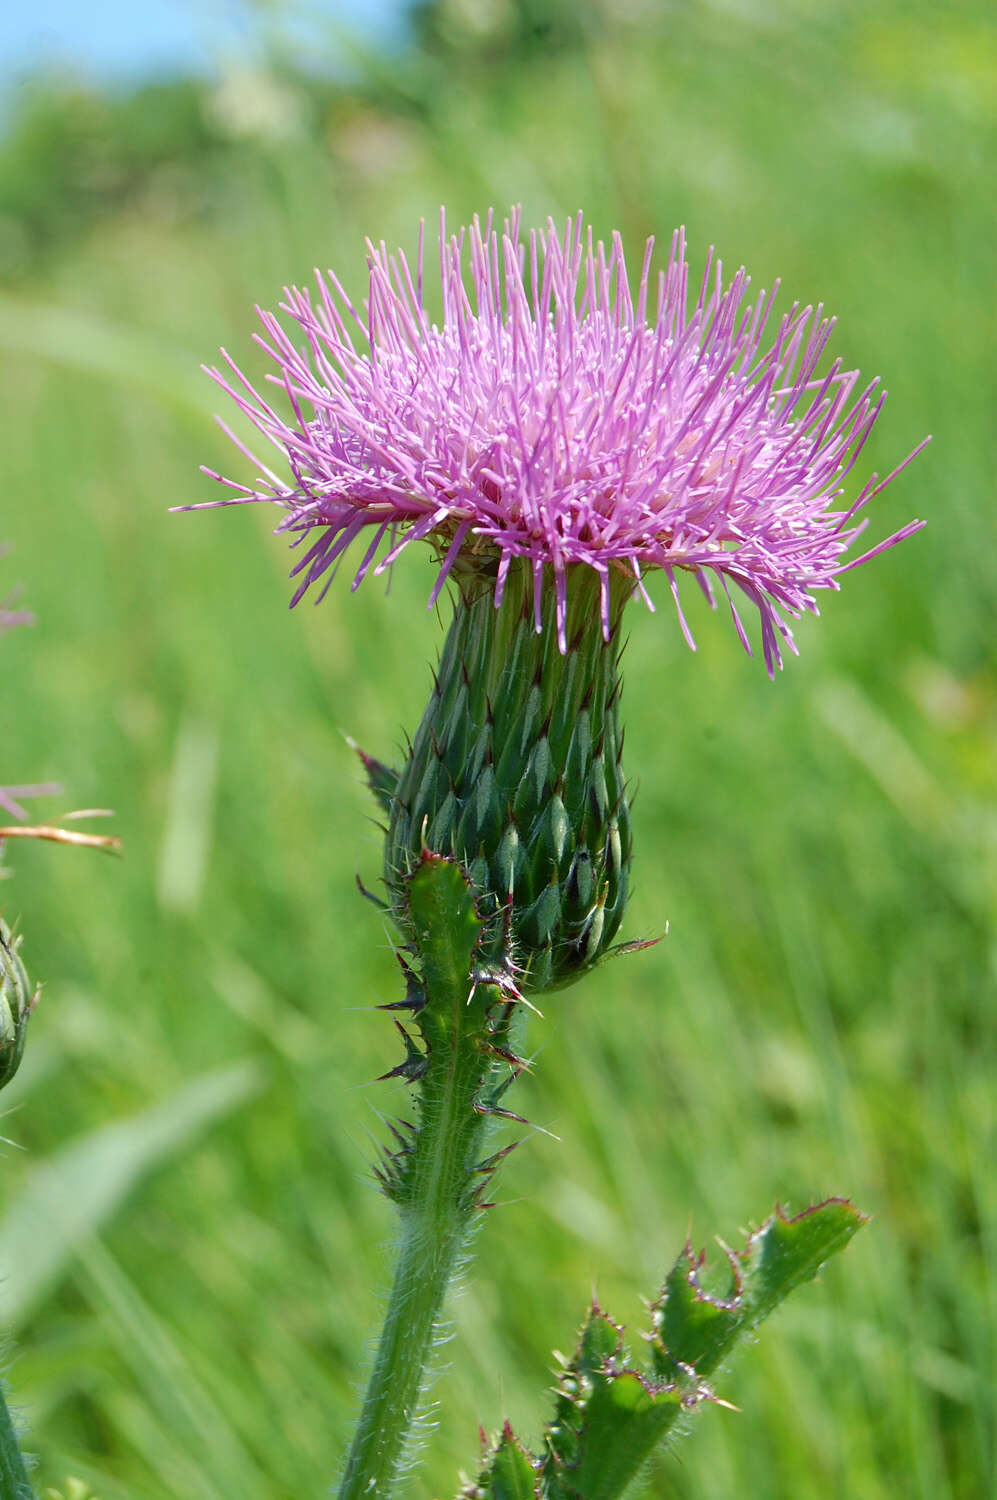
{"x": 437, "y": 1178}
{"x": 14, "y": 1482}
{"x": 432, "y": 1240}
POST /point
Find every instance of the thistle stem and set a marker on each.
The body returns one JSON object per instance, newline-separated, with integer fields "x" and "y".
{"x": 437, "y": 1181}
{"x": 431, "y": 1244}
{"x": 14, "y": 1482}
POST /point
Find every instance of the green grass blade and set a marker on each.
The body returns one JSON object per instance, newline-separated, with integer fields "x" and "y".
{"x": 70, "y": 1196}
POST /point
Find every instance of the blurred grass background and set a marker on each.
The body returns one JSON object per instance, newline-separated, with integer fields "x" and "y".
{"x": 191, "y": 1250}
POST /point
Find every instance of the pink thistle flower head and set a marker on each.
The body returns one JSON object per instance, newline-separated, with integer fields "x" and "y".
{"x": 559, "y": 415}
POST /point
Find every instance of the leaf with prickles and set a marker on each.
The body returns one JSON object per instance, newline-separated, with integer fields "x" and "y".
{"x": 693, "y": 1327}
{"x": 508, "y": 1473}
{"x": 403, "y": 1132}
{"x": 625, "y": 1417}
{"x": 390, "y": 1173}
{"x": 415, "y": 994}
{"x": 382, "y": 779}
{"x": 491, "y": 1163}
{"x": 609, "y": 1417}
{"x": 414, "y": 1065}
{"x": 600, "y": 1346}
{"x": 487, "y": 1100}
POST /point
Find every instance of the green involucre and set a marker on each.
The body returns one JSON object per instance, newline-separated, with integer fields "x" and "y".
{"x": 516, "y": 772}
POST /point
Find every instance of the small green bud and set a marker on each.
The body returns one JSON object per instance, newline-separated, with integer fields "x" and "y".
{"x": 16, "y": 1004}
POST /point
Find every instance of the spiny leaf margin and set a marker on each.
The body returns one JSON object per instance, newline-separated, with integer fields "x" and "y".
{"x": 609, "y": 1415}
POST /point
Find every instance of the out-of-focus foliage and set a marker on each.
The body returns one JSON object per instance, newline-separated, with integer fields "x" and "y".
{"x": 500, "y": 30}
{"x": 820, "y": 1016}
{"x": 73, "y": 155}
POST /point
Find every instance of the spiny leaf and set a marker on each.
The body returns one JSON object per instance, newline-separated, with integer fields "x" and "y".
{"x": 610, "y": 1416}
{"x": 414, "y": 1063}
{"x": 625, "y": 1416}
{"x": 606, "y": 1412}
{"x": 508, "y": 1473}
{"x": 694, "y": 1328}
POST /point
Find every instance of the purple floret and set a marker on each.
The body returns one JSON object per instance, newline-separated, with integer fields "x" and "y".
{"x": 555, "y": 417}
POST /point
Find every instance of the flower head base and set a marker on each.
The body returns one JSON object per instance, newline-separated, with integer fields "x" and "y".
{"x": 516, "y": 771}
{"x": 555, "y": 416}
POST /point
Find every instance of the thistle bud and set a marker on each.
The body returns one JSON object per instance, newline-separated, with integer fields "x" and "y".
{"x": 515, "y": 770}
{"x": 16, "y": 1004}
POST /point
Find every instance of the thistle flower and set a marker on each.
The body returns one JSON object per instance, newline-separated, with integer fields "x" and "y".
{"x": 555, "y": 443}
{"x": 551, "y": 417}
